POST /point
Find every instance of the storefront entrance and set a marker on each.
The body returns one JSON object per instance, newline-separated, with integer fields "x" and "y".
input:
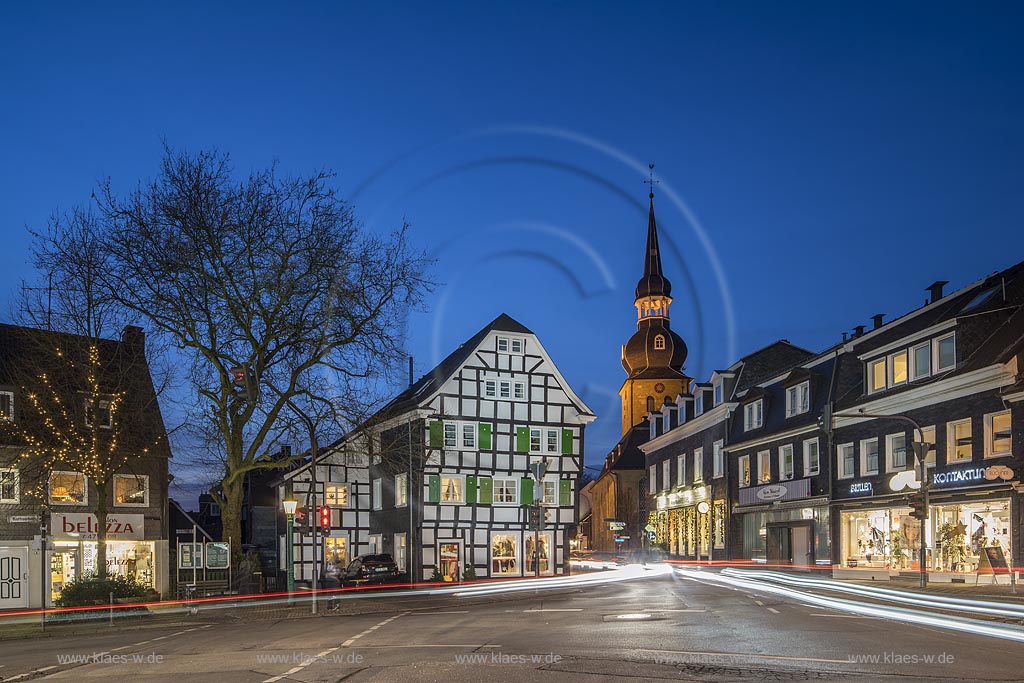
{"x": 790, "y": 543}
{"x": 448, "y": 560}
{"x": 13, "y": 578}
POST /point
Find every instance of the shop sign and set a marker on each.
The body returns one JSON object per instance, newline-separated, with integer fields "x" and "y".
{"x": 786, "y": 490}
{"x": 82, "y": 526}
{"x": 964, "y": 475}
{"x": 686, "y": 497}
{"x": 23, "y": 519}
{"x": 904, "y": 479}
{"x": 861, "y": 488}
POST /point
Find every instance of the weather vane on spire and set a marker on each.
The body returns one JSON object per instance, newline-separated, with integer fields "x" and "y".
{"x": 652, "y": 181}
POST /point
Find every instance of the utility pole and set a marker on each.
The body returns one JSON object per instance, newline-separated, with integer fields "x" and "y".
{"x": 538, "y": 469}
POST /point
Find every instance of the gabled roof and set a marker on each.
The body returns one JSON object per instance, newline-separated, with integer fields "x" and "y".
{"x": 769, "y": 361}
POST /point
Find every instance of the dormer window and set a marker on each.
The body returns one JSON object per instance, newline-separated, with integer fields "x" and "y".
{"x": 659, "y": 342}
{"x": 753, "y": 415}
{"x": 718, "y": 393}
{"x": 698, "y": 406}
{"x": 98, "y": 413}
{"x": 798, "y": 399}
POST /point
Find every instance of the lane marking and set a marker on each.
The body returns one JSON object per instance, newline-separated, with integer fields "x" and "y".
{"x": 413, "y": 647}
{"x": 773, "y": 610}
{"x": 759, "y": 603}
{"x": 461, "y": 611}
{"x": 563, "y": 609}
{"x": 844, "y": 616}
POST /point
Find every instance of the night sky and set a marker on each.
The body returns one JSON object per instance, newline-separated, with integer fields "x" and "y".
{"x": 818, "y": 163}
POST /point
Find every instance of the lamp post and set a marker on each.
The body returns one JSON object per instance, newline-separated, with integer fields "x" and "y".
{"x": 289, "y": 513}
{"x": 920, "y": 448}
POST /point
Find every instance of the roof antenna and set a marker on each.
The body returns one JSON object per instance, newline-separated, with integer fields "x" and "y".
{"x": 652, "y": 181}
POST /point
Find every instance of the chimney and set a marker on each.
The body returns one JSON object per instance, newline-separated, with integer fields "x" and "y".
{"x": 858, "y": 331}
{"x": 134, "y": 338}
{"x": 877, "y": 320}
{"x": 845, "y": 336}
{"x": 935, "y": 289}
{"x": 411, "y": 381}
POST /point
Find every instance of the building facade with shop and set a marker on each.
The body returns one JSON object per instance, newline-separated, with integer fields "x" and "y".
{"x": 953, "y": 367}
{"x": 48, "y": 525}
{"x": 441, "y": 475}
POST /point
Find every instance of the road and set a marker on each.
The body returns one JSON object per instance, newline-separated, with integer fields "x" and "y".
{"x": 661, "y": 627}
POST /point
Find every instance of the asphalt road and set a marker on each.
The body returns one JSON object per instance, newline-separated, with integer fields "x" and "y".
{"x": 662, "y": 627}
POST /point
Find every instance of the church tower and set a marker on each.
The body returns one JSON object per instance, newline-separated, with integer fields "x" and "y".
{"x": 654, "y": 356}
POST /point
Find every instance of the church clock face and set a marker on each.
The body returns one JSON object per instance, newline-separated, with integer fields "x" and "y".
{"x": 659, "y": 387}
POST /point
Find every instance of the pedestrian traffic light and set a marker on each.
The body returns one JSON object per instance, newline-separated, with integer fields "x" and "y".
{"x": 325, "y": 517}
{"x": 917, "y": 503}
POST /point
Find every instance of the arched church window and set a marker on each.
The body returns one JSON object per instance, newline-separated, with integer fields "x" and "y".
{"x": 659, "y": 342}
{"x": 650, "y": 404}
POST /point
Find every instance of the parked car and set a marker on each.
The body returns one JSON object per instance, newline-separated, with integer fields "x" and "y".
{"x": 379, "y": 568}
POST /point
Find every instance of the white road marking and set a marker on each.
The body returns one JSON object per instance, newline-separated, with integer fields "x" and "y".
{"x": 759, "y": 603}
{"x": 773, "y": 610}
{"x": 463, "y": 611}
{"x": 566, "y": 609}
{"x": 425, "y": 645}
{"x": 843, "y": 616}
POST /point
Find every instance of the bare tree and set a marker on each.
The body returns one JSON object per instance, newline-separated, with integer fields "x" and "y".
{"x": 272, "y": 293}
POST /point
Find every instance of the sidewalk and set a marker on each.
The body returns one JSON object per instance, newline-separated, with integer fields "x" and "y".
{"x": 1001, "y": 591}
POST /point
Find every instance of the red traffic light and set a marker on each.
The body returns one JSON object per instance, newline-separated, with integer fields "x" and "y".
{"x": 237, "y": 376}
{"x": 325, "y": 517}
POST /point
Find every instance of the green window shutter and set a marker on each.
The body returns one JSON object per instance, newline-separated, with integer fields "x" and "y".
{"x": 486, "y": 490}
{"x": 565, "y": 492}
{"x": 484, "y": 431}
{"x": 470, "y": 490}
{"x": 526, "y": 491}
{"x": 522, "y": 439}
{"x": 567, "y": 441}
{"x": 433, "y": 489}
{"x": 436, "y": 434}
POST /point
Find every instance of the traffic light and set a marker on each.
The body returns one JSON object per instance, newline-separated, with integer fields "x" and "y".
{"x": 537, "y": 517}
{"x": 243, "y": 378}
{"x": 917, "y": 503}
{"x": 325, "y": 518}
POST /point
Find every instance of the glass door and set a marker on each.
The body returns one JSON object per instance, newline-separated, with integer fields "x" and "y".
{"x": 448, "y": 560}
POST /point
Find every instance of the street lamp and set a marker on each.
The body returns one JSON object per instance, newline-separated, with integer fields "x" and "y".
{"x": 289, "y": 513}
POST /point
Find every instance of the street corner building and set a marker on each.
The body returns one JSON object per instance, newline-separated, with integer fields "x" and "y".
{"x": 440, "y": 477}
{"x": 48, "y": 502}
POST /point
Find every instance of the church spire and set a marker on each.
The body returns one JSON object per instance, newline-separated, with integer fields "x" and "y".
{"x": 653, "y": 282}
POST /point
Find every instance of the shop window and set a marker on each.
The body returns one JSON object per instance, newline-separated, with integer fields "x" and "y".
{"x": 844, "y": 460}
{"x": 764, "y": 466}
{"x": 959, "y": 446}
{"x": 401, "y": 490}
{"x": 453, "y": 489}
{"x": 869, "y": 456}
{"x": 336, "y": 495}
{"x": 718, "y": 510}
{"x": 965, "y": 530}
{"x": 506, "y": 491}
{"x": 744, "y": 463}
{"x": 131, "y": 490}
{"x": 335, "y": 555}
{"x": 879, "y": 538}
{"x": 531, "y": 556}
{"x": 812, "y": 457}
{"x": 998, "y": 439}
{"x": 8, "y": 485}
{"x": 786, "y": 462}
{"x": 504, "y": 554}
{"x": 68, "y": 488}
{"x": 896, "y": 452}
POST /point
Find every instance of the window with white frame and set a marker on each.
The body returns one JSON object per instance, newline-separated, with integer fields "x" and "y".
{"x": 652, "y": 475}
{"x": 551, "y": 440}
{"x": 511, "y": 345}
{"x": 869, "y": 456}
{"x": 896, "y": 452}
{"x": 453, "y": 488}
{"x": 898, "y": 368}
{"x": 469, "y": 435}
{"x": 718, "y": 393}
{"x": 131, "y": 490}
{"x": 460, "y": 435}
{"x": 400, "y": 551}
{"x": 681, "y": 469}
{"x": 550, "y": 492}
{"x": 401, "y": 490}
{"x": 490, "y": 388}
{"x": 959, "y": 441}
{"x": 519, "y": 390}
{"x": 336, "y": 495}
{"x": 659, "y": 342}
{"x": 376, "y": 495}
{"x": 505, "y": 388}
{"x": 844, "y": 460}
{"x": 753, "y": 415}
{"x": 718, "y": 459}
{"x": 506, "y": 491}
{"x": 998, "y": 440}
{"x": 698, "y": 464}
{"x": 68, "y": 488}
{"x": 451, "y": 435}
{"x": 764, "y": 466}
{"x": 698, "y": 404}
{"x": 666, "y": 475}
{"x": 536, "y": 439}
{"x": 518, "y": 346}
{"x": 945, "y": 353}
{"x": 98, "y": 411}
{"x": 876, "y": 375}
{"x": 744, "y": 465}
{"x": 812, "y": 457}
{"x": 928, "y": 437}
{"x": 921, "y": 361}
{"x": 798, "y": 399}
{"x": 786, "y": 462}
{"x": 6, "y": 405}
{"x": 503, "y": 344}
{"x": 504, "y": 554}
{"x": 9, "y": 485}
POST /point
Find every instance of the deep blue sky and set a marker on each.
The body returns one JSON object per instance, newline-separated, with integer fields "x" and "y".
{"x": 838, "y": 159}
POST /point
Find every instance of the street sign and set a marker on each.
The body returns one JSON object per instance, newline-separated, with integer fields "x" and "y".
{"x": 649, "y": 528}
{"x": 23, "y": 519}
{"x": 616, "y": 526}
{"x": 620, "y": 539}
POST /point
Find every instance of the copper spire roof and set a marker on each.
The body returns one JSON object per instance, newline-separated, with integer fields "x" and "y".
{"x": 653, "y": 282}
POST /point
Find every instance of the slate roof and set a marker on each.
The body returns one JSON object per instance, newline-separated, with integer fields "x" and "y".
{"x": 769, "y": 361}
